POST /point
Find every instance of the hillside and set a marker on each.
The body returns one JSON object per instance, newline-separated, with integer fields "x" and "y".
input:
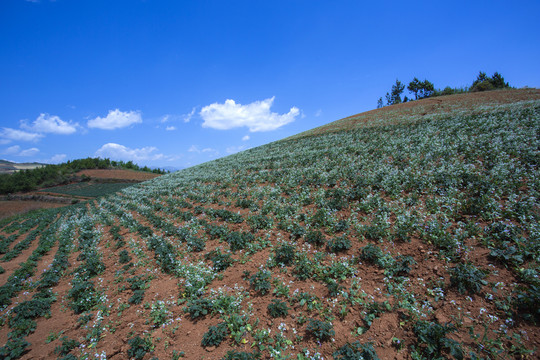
{"x": 409, "y": 231}
{"x": 8, "y": 167}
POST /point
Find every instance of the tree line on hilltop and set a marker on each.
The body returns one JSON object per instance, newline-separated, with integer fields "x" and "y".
{"x": 52, "y": 175}
{"x": 424, "y": 89}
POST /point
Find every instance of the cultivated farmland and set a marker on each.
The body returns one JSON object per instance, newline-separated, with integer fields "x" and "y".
{"x": 403, "y": 233}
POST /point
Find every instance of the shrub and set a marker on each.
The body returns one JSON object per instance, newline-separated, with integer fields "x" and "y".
{"x": 216, "y": 231}
{"x": 83, "y": 296}
{"x": 401, "y": 266}
{"x": 195, "y": 243}
{"x": 526, "y": 302}
{"x": 467, "y": 277}
{"x": 315, "y": 237}
{"x": 260, "y": 281}
{"x": 66, "y": 346}
{"x": 278, "y": 308}
{"x": 124, "y": 257}
{"x": 215, "y": 335}
{"x": 241, "y": 355}
{"x": 220, "y": 261}
{"x": 372, "y": 253}
{"x": 239, "y": 241}
{"x": 285, "y": 254}
{"x": 296, "y": 232}
{"x": 198, "y": 308}
{"x": 338, "y": 244}
{"x": 159, "y": 313}
{"x": 139, "y": 347}
{"x": 137, "y": 297}
{"x": 432, "y": 337}
{"x": 320, "y": 330}
{"x": 340, "y": 226}
{"x": 334, "y": 288}
{"x": 260, "y": 222}
{"x": 14, "y": 348}
{"x": 356, "y": 351}
{"x": 304, "y": 267}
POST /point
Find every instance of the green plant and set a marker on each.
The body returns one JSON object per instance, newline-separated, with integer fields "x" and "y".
{"x": 311, "y": 301}
{"x": 198, "y": 307}
{"x": 215, "y": 335}
{"x": 284, "y": 254}
{"x": 339, "y": 244}
{"x": 66, "y": 346}
{"x": 334, "y": 288}
{"x": 241, "y": 355}
{"x": 304, "y": 267}
{"x": 159, "y": 313}
{"x": 220, "y": 261}
{"x": 83, "y": 296}
{"x": 261, "y": 281}
{"x": 320, "y": 330}
{"x": 124, "y": 257}
{"x": 238, "y": 326}
{"x": 467, "y": 278}
{"x": 355, "y": 351}
{"x": 315, "y": 237}
{"x": 433, "y": 340}
{"x": 239, "y": 240}
{"x": 14, "y": 349}
{"x": 526, "y": 302}
{"x": 137, "y": 297}
{"x": 196, "y": 243}
{"x": 278, "y": 308}
{"x": 139, "y": 347}
{"x": 260, "y": 222}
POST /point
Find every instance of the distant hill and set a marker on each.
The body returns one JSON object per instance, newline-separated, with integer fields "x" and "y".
{"x": 9, "y": 167}
{"x": 43, "y": 175}
{"x": 408, "y": 232}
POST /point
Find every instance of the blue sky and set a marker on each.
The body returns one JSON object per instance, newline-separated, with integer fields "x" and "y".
{"x": 177, "y": 83}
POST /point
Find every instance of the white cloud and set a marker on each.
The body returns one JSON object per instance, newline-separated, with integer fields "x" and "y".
{"x": 210, "y": 151}
{"x": 184, "y": 117}
{"x": 116, "y": 119}
{"x": 318, "y": 113}
{"x": 46, "y": 123}
{"x": 187, "y": 117}
{"x": 29, "y": 152}
{"x": 246, "y": 138}
{"x": 12, "y": 150}
{"x": 170, "y": 128}
{"x": 121, "y": 152}
{"x": 235, "y": 149}
{"x": 56, "y": 159}
{"x": 16, "y": 151}
{"x": 9, "y": 135}
{"x": 255, "y": 116}
{"x": 195, "y": 149}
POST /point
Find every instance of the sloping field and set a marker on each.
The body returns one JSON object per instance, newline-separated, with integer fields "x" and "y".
{"x": 87, "y": 189}
{"x": 408, "y": 235}
{"x": 118, "y": 174}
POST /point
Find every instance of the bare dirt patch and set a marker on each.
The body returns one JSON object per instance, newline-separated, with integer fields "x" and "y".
{"x": 13, "y": 207}
{"x": 118, "y": 174}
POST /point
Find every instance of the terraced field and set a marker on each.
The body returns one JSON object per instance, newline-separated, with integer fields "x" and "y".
{"x": 85, "y": 189}
{"x": 407, "y": 236}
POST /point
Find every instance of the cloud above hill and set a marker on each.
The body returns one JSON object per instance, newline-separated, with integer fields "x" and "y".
{"x": 255, "y": 116}
{"x": 46, "y": 123}
{"x": 121, "y": 152}
{"x": 8, "y": 134}
{"x": 17, "y": 151}
{"x": 116, "y": 119}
